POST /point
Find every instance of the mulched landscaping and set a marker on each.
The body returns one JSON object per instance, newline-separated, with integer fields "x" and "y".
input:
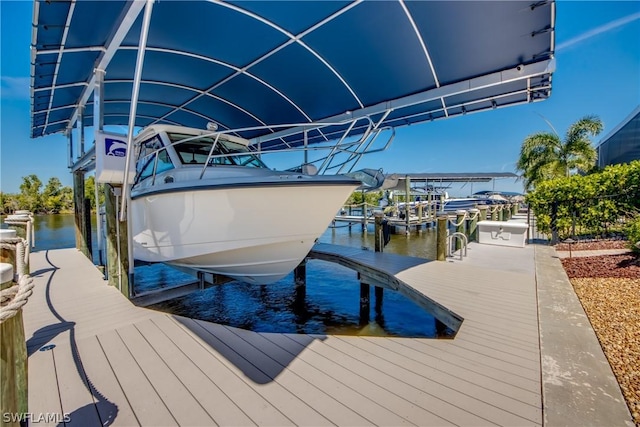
{"x": 608, "y": 287}
{"x": 614, "y": 266}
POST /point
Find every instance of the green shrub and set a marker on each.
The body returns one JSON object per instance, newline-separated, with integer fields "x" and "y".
{"x": 592, "y": 204}
{"x": 633, "y": 233}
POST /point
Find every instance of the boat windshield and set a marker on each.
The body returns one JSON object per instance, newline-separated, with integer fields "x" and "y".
{"x": 195, "y": 151}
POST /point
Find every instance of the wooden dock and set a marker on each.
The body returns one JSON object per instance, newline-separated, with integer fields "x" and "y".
{"x": 115, "y": 363}
{"x": 415, "y": 222}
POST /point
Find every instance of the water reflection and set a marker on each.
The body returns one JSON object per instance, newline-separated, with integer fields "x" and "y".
{"x": 329, "y": 304}
{"x": 421, "y": 245}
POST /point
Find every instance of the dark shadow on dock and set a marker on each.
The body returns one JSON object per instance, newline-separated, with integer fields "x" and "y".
{"x": 260, "y": 356}
{"x": 102, "y": 409}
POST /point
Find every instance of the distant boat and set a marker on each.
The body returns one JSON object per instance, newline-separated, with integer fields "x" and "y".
{"x": 203, "y": 200}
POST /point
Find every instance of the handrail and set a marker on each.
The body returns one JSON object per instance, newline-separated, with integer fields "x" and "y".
{"x": 463, "y": 243}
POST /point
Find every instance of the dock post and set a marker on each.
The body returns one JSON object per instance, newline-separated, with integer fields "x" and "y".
{"x": 300, "y": 292}
{"x": 379, "y": 246}
{"x": 494, "y": 213}
{"x": 365, "y": 219}
{"x": 365, "y": 304}
{"x": 116, "y": 242}
{"x": 300, "y": 273}
{"x": 87, "y": 226}
{"x": 379, "y": 292}
{"x": 441, "y": 238}
{"x": 515, "y": 208}
{"x": 379, "y": 237}
{"x": 201, "y": 280}
{"x": 483, "y": 212}
{"x": 460, "y": 228}
{"x": 13, "y": 353}
{"x": 419, "y": 225}
{"x": 501, "y": 213}
{"x": 473, "y": 224}
{"x": 80, "y": 216}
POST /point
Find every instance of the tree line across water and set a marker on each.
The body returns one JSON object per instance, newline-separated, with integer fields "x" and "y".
{"x": 45, "y": 199}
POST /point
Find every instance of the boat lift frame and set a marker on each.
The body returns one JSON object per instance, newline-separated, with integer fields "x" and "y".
{"x": 354, "y": 152}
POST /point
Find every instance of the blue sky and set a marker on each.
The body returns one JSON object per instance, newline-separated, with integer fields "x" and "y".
{"x": 598, "y": 72}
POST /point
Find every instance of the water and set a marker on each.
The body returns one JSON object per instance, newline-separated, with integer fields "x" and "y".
{"x": 330, "y": 304}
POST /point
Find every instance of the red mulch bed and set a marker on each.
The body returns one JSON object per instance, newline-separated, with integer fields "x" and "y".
{"x": 626, "y": 266}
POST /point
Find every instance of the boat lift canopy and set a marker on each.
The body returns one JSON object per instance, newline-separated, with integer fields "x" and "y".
{"x": 244, "y": 64}
{"x": 397, "y": 182}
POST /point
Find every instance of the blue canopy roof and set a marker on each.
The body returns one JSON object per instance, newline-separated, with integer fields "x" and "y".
{"x": 265, "y": 63}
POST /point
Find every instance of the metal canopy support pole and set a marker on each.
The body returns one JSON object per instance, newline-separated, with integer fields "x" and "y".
{"x": 81, "y": 129}
{"x": 70, "y": 146}
{"x": 306, "y": 146}
{"x": 98, "y": 124}
{"x": 127, "y": 21}
{"x": 407, "y": 210}
{"x": 126, "y": 199}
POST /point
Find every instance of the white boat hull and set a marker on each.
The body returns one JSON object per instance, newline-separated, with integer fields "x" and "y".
{"x": 256, "y": 234}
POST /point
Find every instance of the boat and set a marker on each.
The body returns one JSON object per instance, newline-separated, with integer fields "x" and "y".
{"x": 460, "y": 203}
{"x": 203, "y": 200}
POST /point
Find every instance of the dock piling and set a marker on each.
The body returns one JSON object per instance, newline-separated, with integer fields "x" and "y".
{"x": 379, "y": 237}
{"x": 300, "y": 274}
{"x": 365, "y": 303}
{"x": 441, "y": 238}
{"x": 483, "y": 212}
{"x": 473, "y": 225}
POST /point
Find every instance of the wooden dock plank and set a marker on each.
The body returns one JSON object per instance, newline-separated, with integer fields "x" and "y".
{"x": 434, "y": 410}
{"x": 304, "y": 383}
{"x": 219, "y": 407}
{"x": 386, "y": 352}
{"x": 407, "y": 411}
{"x": 111, "y": 402}
{"x": 42, "y": 377}
{"x": 178, "y": 399}
{"x": 75, "y": 396}
{"x": 465, "y": 360}
{"x": 263, "y": 370}
{"x": 481, "y": 396}
{"x": 354, "y": 399}
{"x": 145, "y": 402}
{"x": 331, "y": 408}
{"x": 247, "y": 396}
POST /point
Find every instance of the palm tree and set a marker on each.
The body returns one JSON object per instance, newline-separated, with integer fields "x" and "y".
{"x": 545, "y": 156}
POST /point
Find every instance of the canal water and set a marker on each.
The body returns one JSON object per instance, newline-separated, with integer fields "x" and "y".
{"x": 330, "y": 304}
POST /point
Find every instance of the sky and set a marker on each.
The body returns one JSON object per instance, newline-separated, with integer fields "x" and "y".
{"x": 597, "y": 73}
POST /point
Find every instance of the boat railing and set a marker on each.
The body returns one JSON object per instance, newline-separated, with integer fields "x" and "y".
{"x": 352, "y": 150}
